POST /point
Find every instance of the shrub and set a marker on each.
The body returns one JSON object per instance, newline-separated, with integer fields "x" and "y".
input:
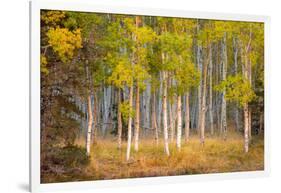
{"x": 73, "y": 156}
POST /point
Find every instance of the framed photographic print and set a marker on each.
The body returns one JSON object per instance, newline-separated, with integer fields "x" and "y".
{"x": 130, "y": 95}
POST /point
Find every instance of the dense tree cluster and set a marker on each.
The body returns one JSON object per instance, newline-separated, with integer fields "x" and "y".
{"x": 127, "y": 75}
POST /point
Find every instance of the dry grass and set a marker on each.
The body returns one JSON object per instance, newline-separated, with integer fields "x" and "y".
{"x": 217, "y": 155}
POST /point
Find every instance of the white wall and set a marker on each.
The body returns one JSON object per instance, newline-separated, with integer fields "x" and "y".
{"x": 14, "y": 95}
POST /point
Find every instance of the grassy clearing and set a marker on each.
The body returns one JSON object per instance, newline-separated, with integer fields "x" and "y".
{"x": 107, "y": 162}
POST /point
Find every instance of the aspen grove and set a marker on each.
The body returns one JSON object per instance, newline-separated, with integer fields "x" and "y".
{"x": 133, "y": 96}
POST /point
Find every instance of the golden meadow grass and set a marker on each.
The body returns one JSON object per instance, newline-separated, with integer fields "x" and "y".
{"x": 216, "y": 156}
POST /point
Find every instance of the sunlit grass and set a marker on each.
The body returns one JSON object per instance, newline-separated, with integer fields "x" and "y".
{"x": 215, "y": 156}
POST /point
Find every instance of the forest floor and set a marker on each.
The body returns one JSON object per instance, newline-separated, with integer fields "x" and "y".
{"x": 216, "y": 156}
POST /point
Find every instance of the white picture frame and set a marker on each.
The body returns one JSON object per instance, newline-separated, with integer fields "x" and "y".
{"x": 36, "y": 6}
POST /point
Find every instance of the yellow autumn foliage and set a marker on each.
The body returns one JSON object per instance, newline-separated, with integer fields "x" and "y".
{"x": 64, "y": 42}
{"x": 52, "y": 18}
{"x": 43, "y": 64}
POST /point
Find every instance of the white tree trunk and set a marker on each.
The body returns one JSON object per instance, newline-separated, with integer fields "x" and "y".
{"x": 137, "y": 119}
{"x": 119, "y": 117}
{"x": 199, "y": 95}
{"x": 187, "y": 118}
{"x": 250, "y": 123}
{"x": 95, "y": 117}
{"x": 172, "y": 125}
{"x": 245, "y": 70}
{"x": 107, "y": 92}
{"x": 147, "y": 104}
{"x": 203, "y": 110}
{"x": 160, "y": 102}
{"x": 90, "y": 122}
{"x": 223, "y": 106}
{"x": 130, "y": 124}
{"x": 250, "y": 111}
{"x": 171, "y": 114}
{"x": 199, "y": 65}
{"x": 235, "y": 45}
{"x": 153, "y": 121}
{"x": 211, "y": 91}
{"x": 179, "y": 122}
{"x": 165, "y": 117}
{"x": 246, "y": 128}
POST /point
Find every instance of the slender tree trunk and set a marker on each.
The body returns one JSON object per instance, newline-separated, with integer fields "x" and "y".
{"x": 171, "y": 114}
{"x": 137, "y": 119}
{"x": 203, "y": 110}
{"x": 224, "y": 71}
{"x": 246, "y": 128}
{"x": 250, "y": 124}
{"x": 89, "y": 112}
{"x": 165, "y": 121}
{"x": 147, "y": 103}
{"x": 199, "y": 89}
{"x": 187, "y": 117}
{"x": 90, "y": 122}
{"x": 95, "y": 117}
{"x": 119, "y": 117}
{"x": 106, "y": 105}
{"x": 249, "y": 76}
{"x": 153, "y": 121}
{"x": 99, "y": 107}
{"x": 199, "y": 64}
{"x": 218, "y": 94}
{"x": 179, "y": 122}
{"x": 160, "y": 102}
{"x": 246, "y": 74}
{"x": 172, "y": 126}
{"x": 250, "y": 110}
{"x": 130, "y": 123}
{"x": 235, "y": 72}
{"x": 211, "y": 91}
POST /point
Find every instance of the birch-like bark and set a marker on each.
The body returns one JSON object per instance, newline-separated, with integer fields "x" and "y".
{"x": 130, "y": 123}
{"x": 235, "y": 72}
{"x": 171, "y": 116}
{"x": 246, "y": 128}
{"x": 165, "y": 121}
{"x": 137, "y": 119}
{"x": 193, "y": 112}
{"x": 211, "y": 91}
{"x": 249, "y": 72}
{"x": 250, "y": 80}
{"x": 250, "y": 123}
{"x": 199, "y": 64}
{"x": 224, "y": 71}
{"x": 160, "y": 102}
{"x": 119, "y": 117}
{"x": 172, "y": 126}
{"x": 107, "y": 92}
{"x": 218, "y": 94}
{"x": 95, "y": 118}
{"x": 153, "y": 121}
{"x": 147, "y": 104}
{"x": 245, "y": 70}
{"x": 187, "y": 117}
{"x": 89, "y": 112}
{"x": 179, "y": 122}
{"x": 199, "y": 95}
{"x": 203, "y": 110}
{"x": 90, "y": 122}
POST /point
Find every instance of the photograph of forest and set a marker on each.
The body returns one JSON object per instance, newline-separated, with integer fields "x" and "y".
{"x": 129, "y": 96}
